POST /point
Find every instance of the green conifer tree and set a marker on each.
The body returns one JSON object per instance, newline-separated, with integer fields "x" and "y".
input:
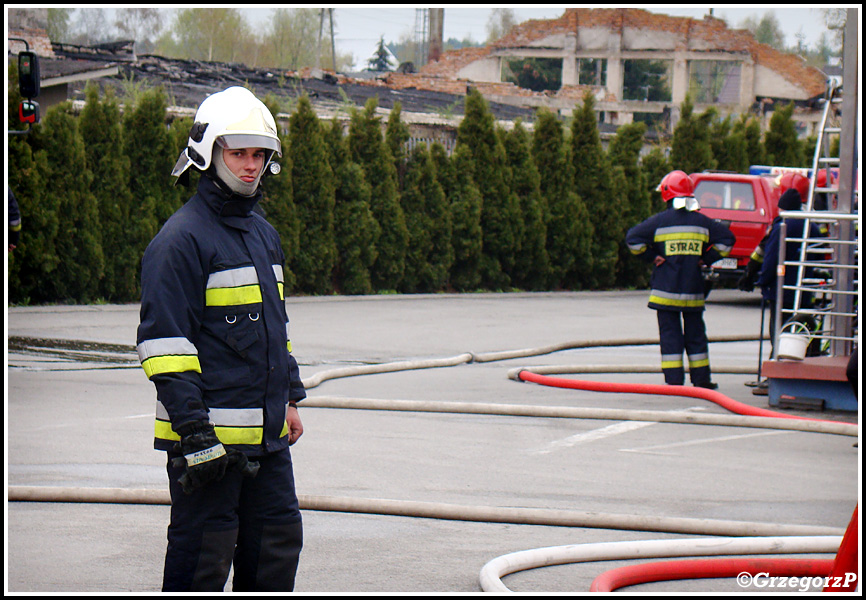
{"x": 780, "y": 141}
{"x": 532, "y": 264}
{"x": 355, "y": 229}
{"x": 624, "y": 152}
{"x": 64, "y": 167}
{"x": 429, "y": 254}
{"x": 750, "y": 129}
{"x": 690, "y": 150}
{"x": 102, "y": 133}
{"x": 655, "y": 165}
{"x": 381, "y": 60}
{"x": 149, "y": 148}
{"x": 313, "y": 193}
{"x": 369, "y": 150}
{"x": 569, "y": 231}
{"x": 35, "y": 259}
{"x": 396, "y": 136}
{"x": 456, "y": 177}
{"x": 500, "y": 209}
{"x": 729, "y": 146}
{"x": 592, "y": 182}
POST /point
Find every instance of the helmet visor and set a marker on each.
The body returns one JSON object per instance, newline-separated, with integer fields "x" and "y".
{"x": 249, "y": 140}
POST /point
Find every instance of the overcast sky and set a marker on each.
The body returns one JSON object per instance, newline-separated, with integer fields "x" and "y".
{"x": 359, "y": 27}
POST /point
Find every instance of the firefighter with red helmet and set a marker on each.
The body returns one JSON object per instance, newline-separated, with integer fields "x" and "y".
{"x": 797, "y": 181}
{"x": 790, "y": 180}
{"x": 678, "y": 241}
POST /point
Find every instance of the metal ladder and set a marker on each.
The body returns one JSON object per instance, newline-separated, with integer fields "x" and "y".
{"x": 828, "y": 255}
{"x": 822, "y": 159}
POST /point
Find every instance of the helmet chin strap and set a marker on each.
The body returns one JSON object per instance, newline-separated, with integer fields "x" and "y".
{"x": 233, "y": 182}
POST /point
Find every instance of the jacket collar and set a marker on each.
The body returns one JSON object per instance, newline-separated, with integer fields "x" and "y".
{"x": 226, "y": 204}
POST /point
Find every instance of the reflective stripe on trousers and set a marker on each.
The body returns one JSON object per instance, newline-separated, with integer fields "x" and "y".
{"x": 679, "y": 332}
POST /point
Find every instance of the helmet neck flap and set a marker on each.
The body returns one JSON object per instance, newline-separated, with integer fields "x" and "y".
{"x": 224, "y": 177}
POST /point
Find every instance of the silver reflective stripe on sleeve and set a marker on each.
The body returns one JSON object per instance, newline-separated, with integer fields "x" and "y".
{"x": 168, "y": 355}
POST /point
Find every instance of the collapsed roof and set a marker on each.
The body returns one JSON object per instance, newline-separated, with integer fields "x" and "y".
{"x": 437, "y": 89}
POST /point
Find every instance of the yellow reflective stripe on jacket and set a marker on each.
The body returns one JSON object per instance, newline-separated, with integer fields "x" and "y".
{"x": 170, "y": 364}
{"x": 235, "y": 426}
{"x": 163, "y": 431}
{"x": 233, "y": 287}
{"x": 168, "y": 355}
{"x": 249, "y": 294}
{"x": 239, "y": 435}
{"x": 227, "y": 435}
{"x": 677, "y": 300}
{"x": 682, "y": 233}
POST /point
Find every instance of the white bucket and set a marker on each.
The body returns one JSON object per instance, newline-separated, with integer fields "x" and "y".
{"x": 792, "y": 345}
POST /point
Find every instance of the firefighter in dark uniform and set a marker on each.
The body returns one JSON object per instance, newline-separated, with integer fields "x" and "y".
{"x": 213, "y": 339}
{"x": 789, "y": 180}
{"x": 678, "y": 241}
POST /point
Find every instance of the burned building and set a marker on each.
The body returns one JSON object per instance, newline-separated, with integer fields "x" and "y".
{"x": 638, "y": 65}
{"x": 602, "y": 50}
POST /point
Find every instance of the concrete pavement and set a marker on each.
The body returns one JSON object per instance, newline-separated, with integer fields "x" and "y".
{"x": 80, "y": 415}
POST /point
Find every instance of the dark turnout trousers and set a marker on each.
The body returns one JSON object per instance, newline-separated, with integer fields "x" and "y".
{"x": 251, "y": 523}
{"x": 684, "y": 331}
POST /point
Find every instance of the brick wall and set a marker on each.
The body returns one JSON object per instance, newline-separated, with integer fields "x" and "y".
{"x": 36, "y": 38}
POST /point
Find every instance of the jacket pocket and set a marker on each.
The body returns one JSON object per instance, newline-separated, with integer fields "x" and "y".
{"x": 221, "y": 379}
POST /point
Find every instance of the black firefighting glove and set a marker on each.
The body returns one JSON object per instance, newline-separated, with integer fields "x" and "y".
{"x": 240, "y": 463}
{"x": 746, "y": 283}
{"x": 204, "y": 456}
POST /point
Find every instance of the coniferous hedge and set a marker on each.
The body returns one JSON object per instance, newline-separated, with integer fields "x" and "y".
{"x": 358, "y": 213}
{"x": 313, "y": 191}
{"x": 369, "y": 150}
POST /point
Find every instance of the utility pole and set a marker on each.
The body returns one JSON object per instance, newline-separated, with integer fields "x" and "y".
{"x": 333, "y": 49}
{"x": 422, "y": 35}
{"x": 319, "y": 43}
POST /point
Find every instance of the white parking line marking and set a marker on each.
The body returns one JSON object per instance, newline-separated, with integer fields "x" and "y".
{"x": 598, "y": 434}
{"x": 651, "y": 449}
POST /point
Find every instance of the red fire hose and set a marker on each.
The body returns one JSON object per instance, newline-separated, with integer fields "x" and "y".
{"x": 751, "y": 573}
{"x": 662, "y": 390}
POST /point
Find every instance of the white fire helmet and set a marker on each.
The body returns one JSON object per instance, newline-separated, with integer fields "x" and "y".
{"x": 233, "y": 118}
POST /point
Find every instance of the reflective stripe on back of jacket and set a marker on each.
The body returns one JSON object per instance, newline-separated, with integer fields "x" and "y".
{"x": 685, "y": 239}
